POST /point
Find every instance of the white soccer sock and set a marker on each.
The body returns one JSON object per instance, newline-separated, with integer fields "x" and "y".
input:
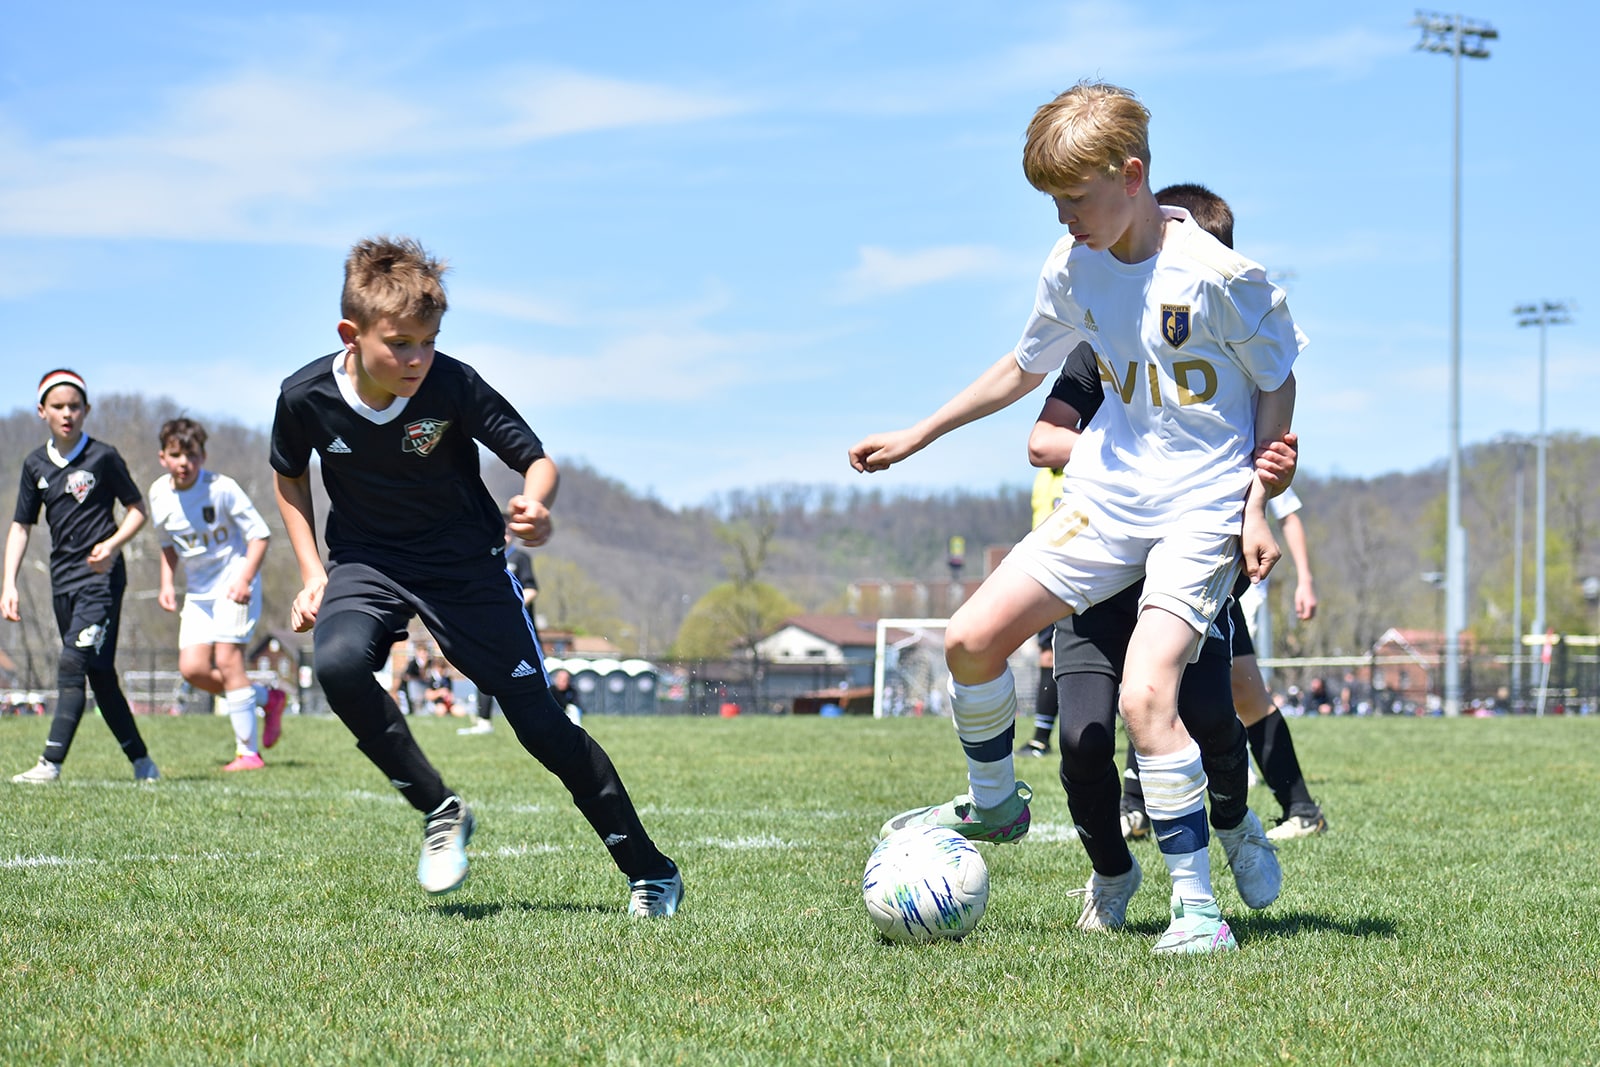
{"x": 1174, "y": 797}
{"x": 985, "y": 716}
{"x": 242, "y": 711}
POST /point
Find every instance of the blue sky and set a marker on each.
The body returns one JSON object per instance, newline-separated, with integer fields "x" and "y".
{"x": 707, "y": 247}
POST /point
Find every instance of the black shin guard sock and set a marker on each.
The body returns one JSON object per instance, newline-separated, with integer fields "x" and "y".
{"x": 118, "y": 715}
{"x": 614, "y": 819}
{"x": 1280, "y": 766}
{"x": 394, "y": 752}
{"x": 1132, "y": 788}
{"x": 1095, "y": 811}
{"x": 70, "y": 702}
{"x": 1047, "y": 708}
{"x": 1227, "y": 767}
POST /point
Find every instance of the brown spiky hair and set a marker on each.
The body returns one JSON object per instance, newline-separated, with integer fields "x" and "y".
{"x": 392, "y": 277}
{"x": 1210, "y": 212}
{"x": 189, "y": 435}
{"x": 1093, "y": 128}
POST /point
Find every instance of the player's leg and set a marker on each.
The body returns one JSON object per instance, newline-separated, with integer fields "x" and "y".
{"x": 362, "y": 615}
{"x": 1174, "y": 779}
{"x": 71, "y": 696}
{"x": 1270, "y": 741}
{"x": 1007, "y": 609}
{"x": 482, "y": 629}
{"x": 240, "y": 697}
{"x": 1206, "y": 706}
{"x": 1046, "y": 707}
{"x": 101, "y": 670}
{"x": 1135, "y": 821}
{"x": 1089, "y": 776}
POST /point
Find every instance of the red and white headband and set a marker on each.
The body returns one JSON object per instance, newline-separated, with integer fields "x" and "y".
{"x": 62, "y": 377}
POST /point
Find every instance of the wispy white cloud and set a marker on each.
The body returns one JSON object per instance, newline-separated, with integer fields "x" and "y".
{"x": 880, "y": 271}
{"x": 267, "y": 156}
{"x": 516, "y": 306}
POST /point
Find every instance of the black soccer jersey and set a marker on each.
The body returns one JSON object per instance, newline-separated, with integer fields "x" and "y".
{"x": 79, "y": 500}
{"x": 403, "y": 483}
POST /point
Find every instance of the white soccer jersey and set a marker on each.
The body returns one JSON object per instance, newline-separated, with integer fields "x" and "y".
{"x": 210, "y": 524}
{"x": 1185, "y": 341}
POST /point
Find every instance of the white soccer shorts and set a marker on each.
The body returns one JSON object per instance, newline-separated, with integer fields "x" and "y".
{"x": 219, "y": 621}
{"x": 1083, "y": 554}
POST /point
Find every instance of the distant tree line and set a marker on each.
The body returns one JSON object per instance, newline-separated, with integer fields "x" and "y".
{"x": 628, "y": 567}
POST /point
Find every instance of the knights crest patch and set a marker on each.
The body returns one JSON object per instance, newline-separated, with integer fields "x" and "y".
{"x": 424, "y": 435}
{"x": 208, "y": 514}
{"x": 80, "y": 484}
{"x": 1175, "y": 324}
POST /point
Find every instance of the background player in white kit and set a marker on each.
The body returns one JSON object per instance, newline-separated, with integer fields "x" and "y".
{"x": 207, "y": 526}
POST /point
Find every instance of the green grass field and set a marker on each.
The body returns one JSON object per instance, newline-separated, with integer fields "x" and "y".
{"x": 1451, "y": 916}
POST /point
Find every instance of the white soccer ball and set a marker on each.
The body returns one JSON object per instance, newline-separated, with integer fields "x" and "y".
{"x": 925, "y": 882}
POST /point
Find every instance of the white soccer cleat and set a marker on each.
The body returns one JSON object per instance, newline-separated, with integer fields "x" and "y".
{"x": 443, "y": 865}
{"x": 1107, "y": 905}
{"x": 1254, "y": 860}
{"x": 40, "y": 773}
{"x": 650, "y": 898}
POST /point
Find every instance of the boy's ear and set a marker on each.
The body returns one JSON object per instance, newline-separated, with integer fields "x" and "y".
{"x": 1133, "y": 175}
{"x": 348, "y": 332}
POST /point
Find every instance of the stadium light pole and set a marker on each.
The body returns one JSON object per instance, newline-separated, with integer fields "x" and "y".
{"x": 1456, "y": 37}
{"x": 1543, "y": 315}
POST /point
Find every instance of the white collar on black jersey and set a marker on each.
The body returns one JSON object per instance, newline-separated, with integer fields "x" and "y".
{"x": 347, "y": 389}
{"x": 57, "y": 458}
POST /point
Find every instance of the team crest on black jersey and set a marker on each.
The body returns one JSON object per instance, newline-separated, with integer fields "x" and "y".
{"x": 424, "y": 435}
{"x": 80, "y": 484}
{"x": 1175, "y": 324}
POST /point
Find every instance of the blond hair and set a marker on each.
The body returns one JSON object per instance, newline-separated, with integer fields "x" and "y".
{"x": 391, "y": 277}
{"x": 1093, "y": 128}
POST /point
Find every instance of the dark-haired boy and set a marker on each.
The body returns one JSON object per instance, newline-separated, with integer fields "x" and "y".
{"x": 412, "y": 531}
{"x": 208, "y": 527}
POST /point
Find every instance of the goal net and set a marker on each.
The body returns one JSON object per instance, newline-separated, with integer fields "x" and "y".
{"x": 909, "y": 676}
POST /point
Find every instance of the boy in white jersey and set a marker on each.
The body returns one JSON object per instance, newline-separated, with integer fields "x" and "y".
{"x": 1196, "y": 349}
{"x": 207, "y": 526}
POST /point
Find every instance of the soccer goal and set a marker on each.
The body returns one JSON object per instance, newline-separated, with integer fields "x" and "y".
{"x": 909, "y": 676}
{"x": 908, "y": 671}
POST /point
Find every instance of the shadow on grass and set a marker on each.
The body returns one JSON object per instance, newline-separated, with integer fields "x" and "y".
{"x": 475, "y": 911}
{"x": 1262, "y": 925}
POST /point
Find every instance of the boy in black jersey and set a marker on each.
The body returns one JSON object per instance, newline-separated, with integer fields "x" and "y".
{"x": 412, "y": 531}
{"x": 78, "y": 481}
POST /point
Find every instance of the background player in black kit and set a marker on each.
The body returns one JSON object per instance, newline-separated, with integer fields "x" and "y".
{"x": 412, "y": 531}
{"x": 78, "y": 481}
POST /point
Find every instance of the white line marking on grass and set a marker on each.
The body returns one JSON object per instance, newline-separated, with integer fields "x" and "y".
{"x": 525, "y": 850}
{"x": 1053, "y": 832}
{"x": 43, "y": 861}
{"x": 746, "y": 843}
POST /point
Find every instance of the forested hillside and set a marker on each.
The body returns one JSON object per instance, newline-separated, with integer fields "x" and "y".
{"x": 629, "y": 567}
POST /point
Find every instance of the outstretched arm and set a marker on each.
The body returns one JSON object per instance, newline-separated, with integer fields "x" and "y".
{"x": 999, "y": 386}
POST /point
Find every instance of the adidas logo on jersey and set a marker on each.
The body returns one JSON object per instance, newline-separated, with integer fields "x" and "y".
{"x": 1088, "y": 321}
{"x": 523, "y": 670}
{"x": 338, "y": 447}
{"x": 44, "y": 483}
